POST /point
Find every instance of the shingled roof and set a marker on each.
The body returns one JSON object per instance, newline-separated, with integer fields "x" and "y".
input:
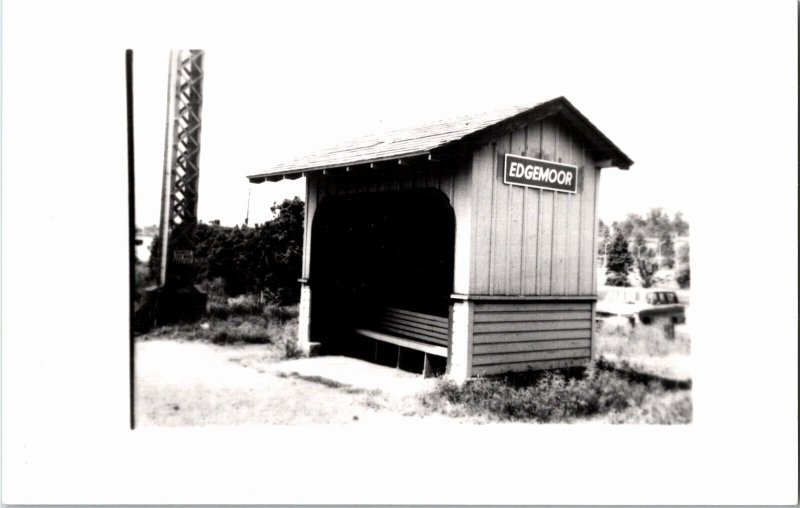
{"x": 424, "y": 139}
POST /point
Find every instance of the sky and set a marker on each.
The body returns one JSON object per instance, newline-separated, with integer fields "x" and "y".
{"x": 287, "y": 82}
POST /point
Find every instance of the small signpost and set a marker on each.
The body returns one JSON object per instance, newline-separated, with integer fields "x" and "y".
{"x": 540, "y": 174}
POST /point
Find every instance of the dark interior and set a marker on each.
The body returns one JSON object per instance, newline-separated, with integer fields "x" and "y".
{"x": 368, "y": 251}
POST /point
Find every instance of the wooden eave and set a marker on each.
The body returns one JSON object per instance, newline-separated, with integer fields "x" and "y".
{"x": 428, "y": 144}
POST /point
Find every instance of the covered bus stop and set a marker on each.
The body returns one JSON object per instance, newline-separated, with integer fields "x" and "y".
{"x": 465, "y": 246}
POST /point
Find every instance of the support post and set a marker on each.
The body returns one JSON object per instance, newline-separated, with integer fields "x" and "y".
{"x": 459, "y": 363}
{"x": 593, "y": 335}
{"x": 304, "y": 319}
{"x": 426, "y": 366}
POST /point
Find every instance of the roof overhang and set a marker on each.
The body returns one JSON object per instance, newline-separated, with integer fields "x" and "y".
{"x": 430, "y": 148}
{"x": 410, "y": 159}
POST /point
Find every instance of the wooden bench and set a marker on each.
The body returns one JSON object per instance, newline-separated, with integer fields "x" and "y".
{"x": 413, "y": 330}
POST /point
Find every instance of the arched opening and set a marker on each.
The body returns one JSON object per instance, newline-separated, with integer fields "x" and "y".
{"x": 376, "y": 250}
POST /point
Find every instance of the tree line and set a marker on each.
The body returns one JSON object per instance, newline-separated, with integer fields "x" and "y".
{"x": 625, "y": 246}
{"x": 265, "y": 258}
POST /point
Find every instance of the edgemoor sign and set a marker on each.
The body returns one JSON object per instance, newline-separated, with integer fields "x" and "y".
{"x": 540, "y": 174}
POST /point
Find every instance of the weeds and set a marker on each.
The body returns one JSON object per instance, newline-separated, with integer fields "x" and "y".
{"x": 624, "y": 340}
{"x": 543, "y": 397}
{"x": 248, "y": 332}
{"x": 244, "y": 305}
{"x": 281, "y": 313}
{"x": 660, "y": 409}
{"x": 240, "y": 320}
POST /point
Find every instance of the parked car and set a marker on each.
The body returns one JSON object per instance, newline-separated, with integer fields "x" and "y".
{"x": 639, "y": 306}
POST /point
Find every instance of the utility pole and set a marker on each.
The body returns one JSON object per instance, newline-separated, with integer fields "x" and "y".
{"x": 247, "y": 217}
{"x": 176, "y": 298}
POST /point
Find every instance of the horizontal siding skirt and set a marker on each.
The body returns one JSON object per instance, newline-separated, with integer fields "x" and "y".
{"x": 532, "y": 326}
{"x": 525, "y": 366}
{"x": 542, "y": 315}
{"x": 487, "y": 338}
{"x": 531, "y": 307}
{"x": 532, "y": 356}
{"x": 522, "y": 347}
{"x": 506, "y": 299}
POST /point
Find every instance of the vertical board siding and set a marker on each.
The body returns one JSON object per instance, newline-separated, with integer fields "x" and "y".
{"x": 461, "y": 201}
{"x": 561, "y": 202}
{"x": 588, "y": 264}
{"x": 533, "y": 242}
{"x": 500, "y": 211}
{"x": 573, "y": 156}
{"x": 482, "y": 180}
{"x": 518, "y": 336}
{"x": 546, "y": 213}
{"x": 595, "y": 229}
{"x": 516, "y": 221}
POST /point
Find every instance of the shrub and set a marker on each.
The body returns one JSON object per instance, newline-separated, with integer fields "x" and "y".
{"x": 281, "y": 313}
{"x": 238, "y": 260}
{"x": 617, "y": 279}
{"x": 684, "y": 277}
{"x": 658, "y": 409}
{"x": 618, "y": 262}
{"x": 543, "y": 397}
{"x": 142, "y": 280}
{"x": 246, "y": 332}
{"x": 254, "y": 329}
{"x": 217, "y": 309}
{"x": 244, "y": 305}
{"x": 214, "y": 288}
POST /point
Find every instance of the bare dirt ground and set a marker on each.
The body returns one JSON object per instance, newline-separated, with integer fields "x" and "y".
{"x": 200, "y": 383}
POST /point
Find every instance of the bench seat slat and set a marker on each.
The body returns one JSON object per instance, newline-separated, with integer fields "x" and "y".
{"x": 384, "y": 327}
{"x": 425, "y": 318}
{"x": 410, "y": 344}
{"x": 437, "y": 328}
{"x": 427, "y": 330}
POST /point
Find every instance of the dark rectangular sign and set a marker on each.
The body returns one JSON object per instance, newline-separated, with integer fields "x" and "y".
{"x": 185, "y": 257}
{"x": 540, "y": 174}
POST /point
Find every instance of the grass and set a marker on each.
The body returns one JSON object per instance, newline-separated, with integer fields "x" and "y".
{"x": 560, "y": 396}
{"x": 616, "y": 392}
{"x": 627, "y": 341}
{"x": 662, "y": 408}
{"x": 263, "y": 325}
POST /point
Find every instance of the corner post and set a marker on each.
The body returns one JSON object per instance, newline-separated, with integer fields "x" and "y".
{"x": 304, "y": 318}
{"x": 459, "y": 364}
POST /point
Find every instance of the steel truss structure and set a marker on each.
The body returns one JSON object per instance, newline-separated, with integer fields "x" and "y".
{"x": 181, "y": 170}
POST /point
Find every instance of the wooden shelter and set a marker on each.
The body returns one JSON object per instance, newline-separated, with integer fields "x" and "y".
{"x": 467, "y": 246}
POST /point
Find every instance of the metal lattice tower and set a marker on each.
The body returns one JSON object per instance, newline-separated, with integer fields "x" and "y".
{"x": 181, "y": 170}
